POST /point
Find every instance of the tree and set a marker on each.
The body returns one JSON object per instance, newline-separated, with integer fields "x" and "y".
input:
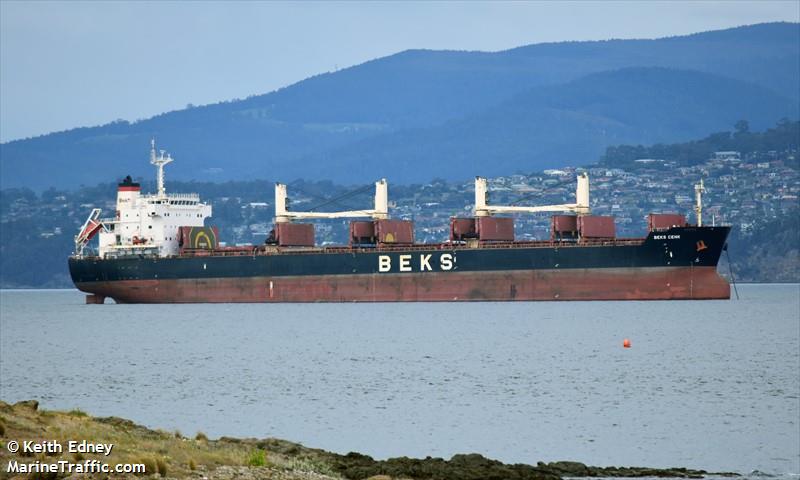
{"x": 742, "y": 127}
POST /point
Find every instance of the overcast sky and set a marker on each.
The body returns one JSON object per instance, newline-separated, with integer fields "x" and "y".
{"x": 69, "y": 64}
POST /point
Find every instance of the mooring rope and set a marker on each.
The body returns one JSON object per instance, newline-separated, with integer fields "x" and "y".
{"x": 730, "y": 269}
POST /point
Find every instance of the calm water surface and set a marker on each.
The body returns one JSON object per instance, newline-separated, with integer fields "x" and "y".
{"x": 710, "y": 384}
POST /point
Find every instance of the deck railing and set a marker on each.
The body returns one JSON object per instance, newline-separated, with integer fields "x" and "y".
{"x": 260, "y": 250}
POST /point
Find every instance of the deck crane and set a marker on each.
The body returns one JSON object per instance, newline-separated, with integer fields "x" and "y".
{"x": 581, "y": 205}
{"x": 379, "y": 212}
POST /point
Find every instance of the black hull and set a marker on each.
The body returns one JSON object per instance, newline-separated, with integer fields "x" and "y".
{"x": 678, "y": 263}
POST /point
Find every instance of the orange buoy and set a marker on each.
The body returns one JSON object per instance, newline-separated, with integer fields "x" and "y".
{"x": 626, "y": 343}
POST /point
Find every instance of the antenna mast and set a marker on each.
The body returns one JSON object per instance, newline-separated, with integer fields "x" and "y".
{"x": 698, "y": 208}
{"x": 159, "y": 162}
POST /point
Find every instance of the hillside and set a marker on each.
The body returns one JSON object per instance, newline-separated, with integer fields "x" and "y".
{"x": 433, "y": 99}
{"x": 561, "y": 125}
{"x": 756, "y": 194}
{"x": 785, "y": 136}
{"x": 780, "y": 262}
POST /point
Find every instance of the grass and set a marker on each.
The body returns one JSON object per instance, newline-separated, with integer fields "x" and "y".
{"x": 257, "y": 458}
{"x": 161, "y": 465}
{"x": 162, "y": 452}
{"x": 149, "y": 465}
{"x": 167, "y": 453}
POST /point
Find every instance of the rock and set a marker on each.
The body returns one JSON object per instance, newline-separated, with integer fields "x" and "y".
{"x": 472, "y": 466}
{"x": 567, "y": 469}
{"x": 576, "y": 469}
{"x": 31, "y": 404}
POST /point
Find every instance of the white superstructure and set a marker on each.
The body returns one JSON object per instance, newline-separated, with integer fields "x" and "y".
{"x": 145, "y": 224}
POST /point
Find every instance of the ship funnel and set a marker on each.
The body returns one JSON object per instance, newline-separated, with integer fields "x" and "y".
{"x": 582, "y": 195}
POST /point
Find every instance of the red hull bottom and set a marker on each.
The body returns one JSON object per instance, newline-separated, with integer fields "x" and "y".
{"x": 663, "y": 283}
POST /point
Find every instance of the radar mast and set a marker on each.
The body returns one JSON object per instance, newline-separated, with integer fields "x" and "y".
{"x": 159, "y": 162}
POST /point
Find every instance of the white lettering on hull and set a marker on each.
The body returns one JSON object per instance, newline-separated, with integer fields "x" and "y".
{"x": 424, "y": 262}
{"x": 384, "y": 263}
{"x": 405, "y": 263}
{"x": 446, "y": 261}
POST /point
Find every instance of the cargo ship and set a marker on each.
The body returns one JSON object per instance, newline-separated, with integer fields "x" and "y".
{"x": 157, "y": 248}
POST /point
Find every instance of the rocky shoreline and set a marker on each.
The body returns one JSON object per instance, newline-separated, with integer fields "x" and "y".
{"x": 172, "y": 455}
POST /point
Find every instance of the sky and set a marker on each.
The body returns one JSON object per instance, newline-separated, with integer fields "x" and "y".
{"x": 68, "y": 64}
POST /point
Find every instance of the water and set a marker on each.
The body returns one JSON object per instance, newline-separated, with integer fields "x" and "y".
{"x": 712, "y": 384}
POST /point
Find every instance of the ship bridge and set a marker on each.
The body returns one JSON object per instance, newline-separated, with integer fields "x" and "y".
{"x": 146, "y": 224}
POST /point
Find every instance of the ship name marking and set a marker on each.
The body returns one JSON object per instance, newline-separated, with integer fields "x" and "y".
{"x": 405, "y": 264}
{"x": 666, "y": 237}
{"x": 424, "y": 262}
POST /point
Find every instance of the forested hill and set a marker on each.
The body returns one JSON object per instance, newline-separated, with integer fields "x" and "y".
{"x": 563, "y": 125}
{"x": 403, "y": 115}
{"x": 785, "y": 136}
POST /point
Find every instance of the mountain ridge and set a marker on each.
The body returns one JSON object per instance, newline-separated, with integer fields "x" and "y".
{"x": 616, "y": 122}
{"x": 313, "y": 119}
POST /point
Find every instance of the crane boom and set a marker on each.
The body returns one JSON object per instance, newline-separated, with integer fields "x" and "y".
{"x": 380, "y": 211}
{"x": 581, "y": 205}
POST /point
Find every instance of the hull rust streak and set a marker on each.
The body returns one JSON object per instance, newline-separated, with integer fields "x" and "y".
{"x": 579, "y": 284}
